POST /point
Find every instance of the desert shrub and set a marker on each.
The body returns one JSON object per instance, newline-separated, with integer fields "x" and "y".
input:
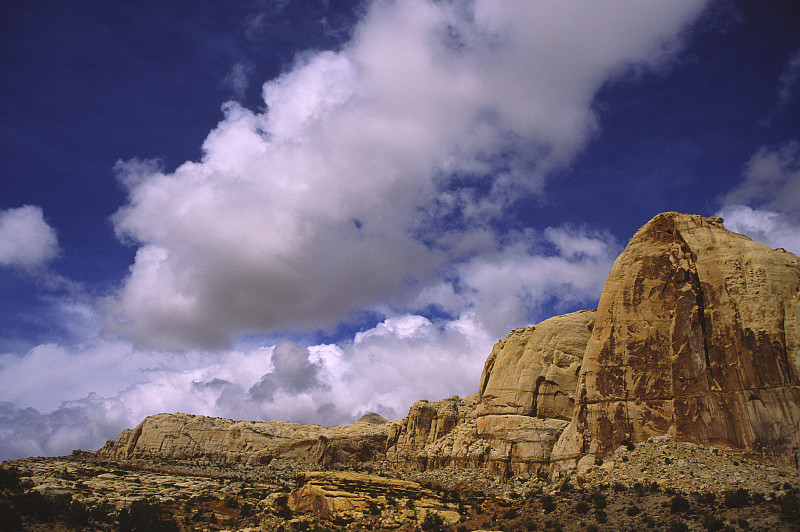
{"x": 789, "y": 507}
{"x": 599, "y": 500}
{"x": 511, "y": 513}
{"x": 678, "y": 504}
{"x": 705, "y": 498}
{"x": 9, "y": 478}
{"x": 743, "y": 523}
{"x": 712, "y": 524}
{"x": 78, "y": 514}
{"x": 145, "y": 515}
{"x": 9, "y": 516}
{"x": 600, "y": 516}
{"x": 591, "y": 528}
{"x": 548, "y": 504}
{"x": 565, "y": 486}
{"x": 633, "y": 510}
{"x": 629, "y": 445}
{"x": 737, "y": 499}
{"x": 582, "y": 507}
{"x": 639, "y": 489}
{"x": 246, "y": 510}
{"x": 618, "y": 487}
{"x": 649, "y": 522}
{"x": 678, "y": 526}
{"x": 554, "y": 525}
{"x": 373, "y": 508}
{"x": 102, "y": 512}
{"x": 433, "y": 522}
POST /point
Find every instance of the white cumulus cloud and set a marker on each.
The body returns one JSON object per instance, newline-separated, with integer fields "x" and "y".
{"x": 332, "y": 200}
{"x": 766, "y": 205}
{"x": 26, "y": 240}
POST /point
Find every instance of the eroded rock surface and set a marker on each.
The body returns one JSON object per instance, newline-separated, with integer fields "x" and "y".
{"x": 696, "y": 336}
{"x": 534, "y": 370}
{"x": 186, "y": 436}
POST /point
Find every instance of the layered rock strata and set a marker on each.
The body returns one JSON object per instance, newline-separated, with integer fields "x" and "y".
{"x": 186, "y": 436}
{"x": 697, "y": 336}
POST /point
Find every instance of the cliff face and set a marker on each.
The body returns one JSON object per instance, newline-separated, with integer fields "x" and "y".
{"x": 696, "y": 336}
{"x": 186, "y": 436}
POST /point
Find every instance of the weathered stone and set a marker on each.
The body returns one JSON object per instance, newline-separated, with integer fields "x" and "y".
{"x": 697, "y": 335}
{"x": 343, "y": 496}
{"x": 186, "y": 436}
{"x": 534, "y": 370}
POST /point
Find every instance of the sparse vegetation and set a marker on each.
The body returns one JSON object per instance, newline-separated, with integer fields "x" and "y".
{"x": 679, "y": 504}
{"x": 737, "y": 499}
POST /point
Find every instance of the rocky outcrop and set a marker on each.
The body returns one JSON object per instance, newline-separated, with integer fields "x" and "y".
{"x": 343, "y": 496}
{"x": 438, "y": 434}
{"x": 527, "y": 392}
{"x": 186, "y": 436}
{"x": 697, "y": 336}
{"x": 534, "y": 370}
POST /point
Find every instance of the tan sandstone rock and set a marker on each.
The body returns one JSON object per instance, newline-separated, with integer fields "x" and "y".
{"x": 186, "y": 436}
{"x": 342, "y": 496}
{"x": 697, "y": 335}
{"x": 534, "y": 370}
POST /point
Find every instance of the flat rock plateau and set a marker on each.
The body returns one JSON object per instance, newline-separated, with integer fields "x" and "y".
{"x": 675, "y": 405}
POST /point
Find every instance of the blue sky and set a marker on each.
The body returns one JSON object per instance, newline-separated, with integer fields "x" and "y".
{"x": 269, "y": 210}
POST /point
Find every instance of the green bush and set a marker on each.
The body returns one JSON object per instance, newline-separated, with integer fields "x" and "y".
{"x": 582, "y": 507}
{"x": 633, "y": 510}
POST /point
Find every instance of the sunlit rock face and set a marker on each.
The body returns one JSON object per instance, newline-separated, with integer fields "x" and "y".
{"x": 697, "y": 335}
{"x": 185, "y": 436}
{"x": 534, "y": 370}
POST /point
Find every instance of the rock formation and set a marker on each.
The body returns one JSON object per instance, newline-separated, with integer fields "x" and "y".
{"x": 186, "y": 436}
{"x": 696, "y": 336}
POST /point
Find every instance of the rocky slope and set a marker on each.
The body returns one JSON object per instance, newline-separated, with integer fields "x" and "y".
{"x": 696, "y": 336}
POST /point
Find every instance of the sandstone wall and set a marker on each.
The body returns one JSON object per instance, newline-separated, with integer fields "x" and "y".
{"x": 696, "y": 336}
{"x": 185, "y": 436}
